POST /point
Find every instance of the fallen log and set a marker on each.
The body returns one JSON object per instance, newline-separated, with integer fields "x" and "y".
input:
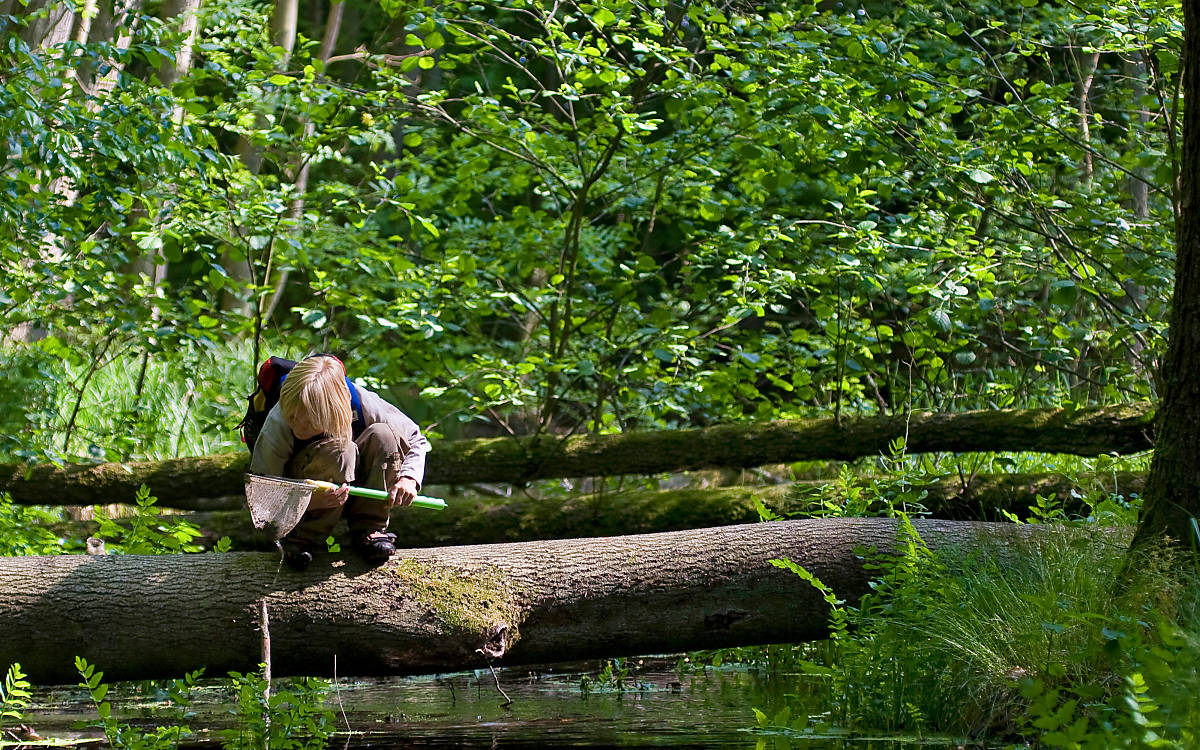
{"x": 492, "y": 520}
{"x": 444, "y": 609}
{"x": 179, "y": 483}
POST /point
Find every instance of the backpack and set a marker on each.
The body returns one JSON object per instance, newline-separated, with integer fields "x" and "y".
{"x": 266, "y": 394}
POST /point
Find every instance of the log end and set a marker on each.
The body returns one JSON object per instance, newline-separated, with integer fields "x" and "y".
{"x": 495, "y": 641}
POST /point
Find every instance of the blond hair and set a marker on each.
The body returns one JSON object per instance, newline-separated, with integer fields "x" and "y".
{"x": 317, "y": 387}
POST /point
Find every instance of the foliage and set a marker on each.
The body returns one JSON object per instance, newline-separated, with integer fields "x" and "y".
{"x": 148, "y": 532}
{"x": 1153, "y": 706}
{"x": 898, "y": 492}
{"x": 1033, "y": 640}
{"x": 125, "y": 736}
{"x": 15, "y": 696}
{"x": 123, "y": 406}
{"x": 630, "y": 214}
{"x": 23, "y": 531}
{"x": 293, "y": 717}
{"x": 616, "y": 676}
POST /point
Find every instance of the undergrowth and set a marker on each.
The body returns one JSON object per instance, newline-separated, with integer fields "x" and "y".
{"x": 289, "y": 714}
{"x": 15, "y": 697}
{"x": 1060, "y": 639}
{"x": 146, "y": 531}
{"x": 60, "y": 406}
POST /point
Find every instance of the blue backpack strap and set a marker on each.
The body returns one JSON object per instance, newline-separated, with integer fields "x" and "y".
{"x": 358, "y": 422}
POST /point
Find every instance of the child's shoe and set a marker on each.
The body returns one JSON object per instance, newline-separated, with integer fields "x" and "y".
{"x": 297, "y": 557}
{"x": 375, "y": 547}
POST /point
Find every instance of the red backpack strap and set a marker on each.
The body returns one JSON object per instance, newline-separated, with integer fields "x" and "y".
{"x": 272, "y": 372}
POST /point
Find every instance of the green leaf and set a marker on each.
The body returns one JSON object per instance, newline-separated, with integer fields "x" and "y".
{"x": 280, "y": 80}
{"x": 980, "y": 176}
{"x": 314, "y": 319}
{"x": 604, "y": 17}
{"x": 941, "y": 319}
{"x": 1064, "y": 293}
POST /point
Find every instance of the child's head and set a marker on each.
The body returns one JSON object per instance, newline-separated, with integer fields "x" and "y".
{"x": 314, "y": 399}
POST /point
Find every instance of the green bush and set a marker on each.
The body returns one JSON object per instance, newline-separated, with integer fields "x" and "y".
{"x": 1063, "y": 639}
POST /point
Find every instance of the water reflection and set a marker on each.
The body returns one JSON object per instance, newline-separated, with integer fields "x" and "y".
{"x": 654, "y": 705}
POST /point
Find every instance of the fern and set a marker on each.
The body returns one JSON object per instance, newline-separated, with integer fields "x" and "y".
{"x": 14, "y": 695}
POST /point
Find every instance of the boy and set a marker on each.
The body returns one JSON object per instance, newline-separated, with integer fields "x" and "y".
{"x": 314, "y": 433}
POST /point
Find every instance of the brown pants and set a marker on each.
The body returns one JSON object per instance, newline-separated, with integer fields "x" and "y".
{"x": 370, "y": 461}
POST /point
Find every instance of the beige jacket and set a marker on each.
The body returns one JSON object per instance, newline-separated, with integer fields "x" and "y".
{"x": 275, "y": 443}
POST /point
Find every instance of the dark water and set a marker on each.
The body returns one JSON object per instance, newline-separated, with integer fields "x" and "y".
{"x": 654, "y": 706}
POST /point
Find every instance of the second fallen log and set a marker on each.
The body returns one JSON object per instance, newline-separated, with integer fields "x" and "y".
{"x": 186, "y": 483}
{"x": 519, "y": 518}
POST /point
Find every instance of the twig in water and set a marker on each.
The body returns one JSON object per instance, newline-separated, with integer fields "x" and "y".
{"x": 266, "y": 660}
{"x": 507, "y": 701}
{"x": 337, "y": 689}
{"x": 266, "y": 645}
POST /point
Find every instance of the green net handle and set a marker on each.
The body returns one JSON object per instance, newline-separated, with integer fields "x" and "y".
{"x": 433, "y": 503}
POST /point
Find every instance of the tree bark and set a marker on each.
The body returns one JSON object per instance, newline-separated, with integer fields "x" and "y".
{"x": 111, "y": 25}
{"x": 1089, "y": 432}
{"x": 283, "y": 35}
{"x": 493, "y": 520}
{"x": 187, "y": 14}
{"x": 1083, "y": 90}
{"x": 333, "y": 25}
{"x": 51, "y": 26}
{"x": 442, "y": 609}
{"x": 1173, "y": 490}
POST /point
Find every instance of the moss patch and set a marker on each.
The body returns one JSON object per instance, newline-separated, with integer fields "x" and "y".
{"x": 470, "y": 601}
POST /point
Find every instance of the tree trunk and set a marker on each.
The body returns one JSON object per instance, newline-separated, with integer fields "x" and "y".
{"x": 333, "y": 25}
{"x": 187, "y": 14}
{"x": 1173, "y": 490}
{"x": 51, "y": 26}
{"x": 1089, "y": 432}
{"x": 436, "y": 610}
{"x": 183, "y": 15}
{"x": 242, "y": 272}
{"x": 1086, "y": 68}
{"x": 492, "y": 520}
{"x": 111, "y": 25}
{"x": 1139, "y": 179}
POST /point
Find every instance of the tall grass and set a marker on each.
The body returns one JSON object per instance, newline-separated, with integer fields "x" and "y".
{"x": 64, "y": 407}
{"x": 1063, "y": 641}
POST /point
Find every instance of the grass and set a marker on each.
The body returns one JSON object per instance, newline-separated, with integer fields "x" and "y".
{"x": 1064, "y": 642}
{"x": 62, "y": 408}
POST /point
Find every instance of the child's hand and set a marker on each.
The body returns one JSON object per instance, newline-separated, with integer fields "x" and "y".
{"x": 403, "y": 491}
{"x": 324, "y": 499}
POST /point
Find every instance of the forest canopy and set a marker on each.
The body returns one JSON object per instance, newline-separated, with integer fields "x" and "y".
{"x": 523, "y": 217}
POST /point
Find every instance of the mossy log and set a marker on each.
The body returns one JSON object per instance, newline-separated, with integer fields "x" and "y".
{"x": 491, "y": 520}
{"x": 443, "y": 609}
{"x": 188, "y": 483}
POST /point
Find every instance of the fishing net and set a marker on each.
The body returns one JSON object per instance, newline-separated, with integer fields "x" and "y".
{"x": 276, "y": 504}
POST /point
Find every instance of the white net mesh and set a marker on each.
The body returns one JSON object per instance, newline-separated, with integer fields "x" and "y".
{"x": 276, "y": 504}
